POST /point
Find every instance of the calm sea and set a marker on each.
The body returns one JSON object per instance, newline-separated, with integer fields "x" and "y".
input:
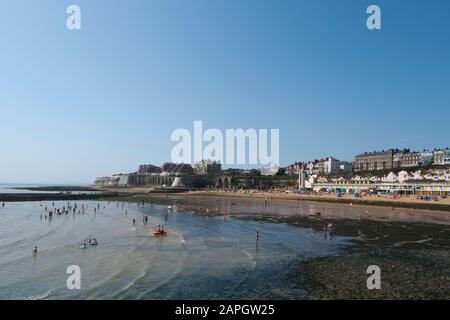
{"x": 200, "y": 258}
{"x": 10, "y": 188}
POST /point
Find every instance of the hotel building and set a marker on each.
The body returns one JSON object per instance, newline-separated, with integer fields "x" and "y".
{"x": 378, "y": 160}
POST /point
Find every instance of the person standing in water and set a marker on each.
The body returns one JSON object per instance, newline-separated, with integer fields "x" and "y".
{"x": 257, "y": 237}
{"x": 35, "y": 250}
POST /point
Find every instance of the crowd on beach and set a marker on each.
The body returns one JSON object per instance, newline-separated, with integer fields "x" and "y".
{"x": 324, "y": 195}
{"x": 75, "y": 209}
{"x": 49, "y": 212}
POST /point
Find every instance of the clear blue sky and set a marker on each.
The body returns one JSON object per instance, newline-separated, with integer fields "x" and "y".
{"x": 79, "y": 104}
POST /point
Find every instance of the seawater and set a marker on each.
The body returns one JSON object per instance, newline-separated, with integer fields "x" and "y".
{"x": 200, "y": 258}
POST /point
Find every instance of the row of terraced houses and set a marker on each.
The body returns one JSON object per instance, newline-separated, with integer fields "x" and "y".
{"x": 396, "y": 158}
{"x": 373, "y": 161}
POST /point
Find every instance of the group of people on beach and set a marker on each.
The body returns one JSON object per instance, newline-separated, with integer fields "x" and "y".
{"x": 49, "y": 213}
{"x": 65, "y": 210}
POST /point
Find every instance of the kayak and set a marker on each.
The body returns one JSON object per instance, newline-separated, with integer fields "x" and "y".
{"x": 159, "y": 233}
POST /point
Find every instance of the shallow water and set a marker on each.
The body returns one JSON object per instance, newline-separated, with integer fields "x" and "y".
{"x": 201, "y": 258}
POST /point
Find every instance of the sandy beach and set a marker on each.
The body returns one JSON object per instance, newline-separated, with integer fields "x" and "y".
{"x": 404, "y": 201}
{"x": 301, "y": 259}
{"x": 411, "y": 246}
{"x": 384, "y": 200}
{"x": 382, "y": 208}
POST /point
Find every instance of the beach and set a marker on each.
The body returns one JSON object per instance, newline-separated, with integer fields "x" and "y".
{"x": 223, "y": 246}
{"x": 442, "y": 204}
{"x": 404, "y": 201}
{"x": 293, "y": 205}
{"x": 411, "y": 246}
{"x": 201, "y": 257}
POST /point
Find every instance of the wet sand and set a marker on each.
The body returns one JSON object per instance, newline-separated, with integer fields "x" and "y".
{"x": 405, "y": 274}
{"x": 218, "y": 205}
{"x": 405, "y": 201}
{"x": 412, "y": 247}
{"x": 442, "y": 204}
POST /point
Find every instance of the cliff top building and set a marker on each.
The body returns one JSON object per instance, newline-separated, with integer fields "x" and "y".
{"x": 377, "y": 160}
{"x": 328, "y": 165}
{"x": 333, "y": 165}
{"x": 177, "y": 168}
{"x": 149, "y": 169}
{"x": 272, "y": 171}
{"x": 101, "y": 181}
{"x": 441, "y": 157}
{"x": 207, "y": 166}
{"x": 396, "y": 158}
{"x": 410, "y": 159}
